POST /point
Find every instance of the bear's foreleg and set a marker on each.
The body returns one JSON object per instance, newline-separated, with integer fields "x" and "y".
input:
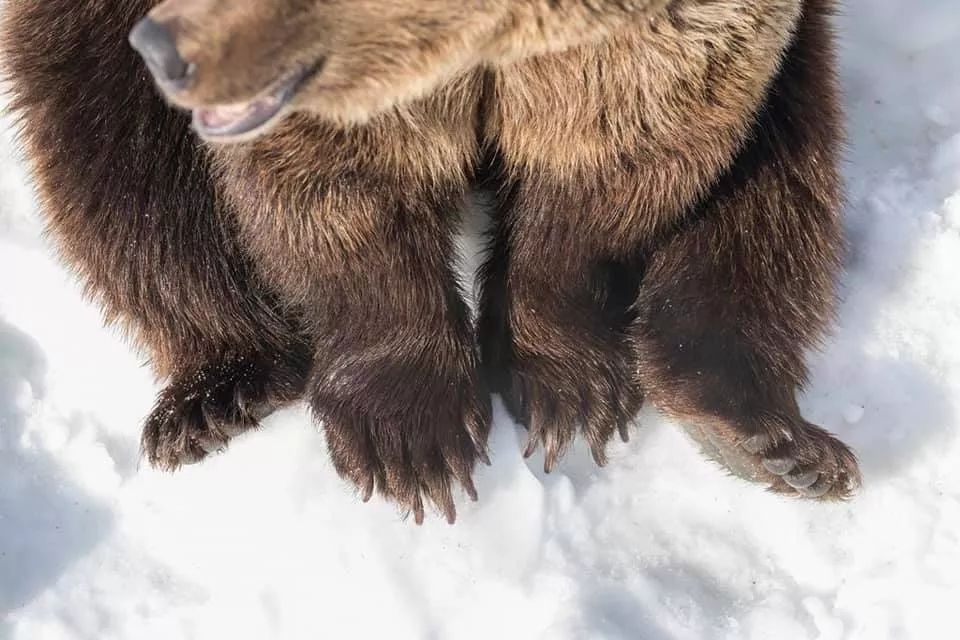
{"x": 731, "y": 302}
{"x": 355, "y": 228}
{"x": 129, "y": 199}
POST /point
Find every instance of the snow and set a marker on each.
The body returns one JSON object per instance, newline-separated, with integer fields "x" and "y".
{"x": 267, "y": 542}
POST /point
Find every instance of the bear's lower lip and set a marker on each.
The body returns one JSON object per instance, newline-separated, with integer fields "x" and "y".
{"x": 227, "y": 122}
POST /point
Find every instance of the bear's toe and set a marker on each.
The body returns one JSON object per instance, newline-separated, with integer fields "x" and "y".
{"x": 810, "y": 463}
{"x": 198, "y": 415}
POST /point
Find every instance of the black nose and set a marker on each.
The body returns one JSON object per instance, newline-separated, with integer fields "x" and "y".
{"x": 155, "y": 43}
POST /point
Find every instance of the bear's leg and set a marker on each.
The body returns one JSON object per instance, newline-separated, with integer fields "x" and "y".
{"x": 396, "y": 379}
{"x": 129, "y": 198}
{"x": 679, "y": 246}
{"x": 600, "y": 149}
{"x": 731, "y": 301}
{"x": 365, "y": 251}
{"x": 555, "y": 315}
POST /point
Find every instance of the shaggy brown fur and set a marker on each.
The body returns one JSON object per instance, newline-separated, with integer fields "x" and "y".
{"x": 667, "y": 221}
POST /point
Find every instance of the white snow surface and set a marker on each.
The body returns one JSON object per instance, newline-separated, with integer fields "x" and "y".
{"x": 267, "y": 542}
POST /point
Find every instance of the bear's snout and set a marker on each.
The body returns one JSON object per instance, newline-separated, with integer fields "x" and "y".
{"x": 156, "y": 44}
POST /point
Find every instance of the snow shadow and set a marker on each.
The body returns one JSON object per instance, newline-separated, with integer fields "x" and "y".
{"x": 889, "y": 409}
{"x": 47, "y": 521}
{"x": 889, "y": 406}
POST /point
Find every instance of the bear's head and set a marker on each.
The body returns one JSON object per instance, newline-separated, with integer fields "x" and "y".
{"x": 241, "y": 66}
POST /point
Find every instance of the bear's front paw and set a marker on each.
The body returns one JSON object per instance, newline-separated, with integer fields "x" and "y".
{"x": 408, "y": 435}
{"x": 553, "y": 399}
{"x": 198, "y": 414}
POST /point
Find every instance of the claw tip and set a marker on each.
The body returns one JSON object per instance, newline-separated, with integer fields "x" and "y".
{"x": 471, "y": 492}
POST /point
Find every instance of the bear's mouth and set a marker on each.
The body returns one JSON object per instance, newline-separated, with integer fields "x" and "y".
{"x": 245, "y": 120}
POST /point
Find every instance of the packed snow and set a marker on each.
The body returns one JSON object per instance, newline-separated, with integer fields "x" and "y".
{"x": 267, "y": 542}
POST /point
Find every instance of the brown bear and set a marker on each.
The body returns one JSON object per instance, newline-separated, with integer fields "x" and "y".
{"x": 666, "y": 221}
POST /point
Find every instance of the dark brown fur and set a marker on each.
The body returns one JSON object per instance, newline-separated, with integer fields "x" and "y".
{"x": 667, "y": 226}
